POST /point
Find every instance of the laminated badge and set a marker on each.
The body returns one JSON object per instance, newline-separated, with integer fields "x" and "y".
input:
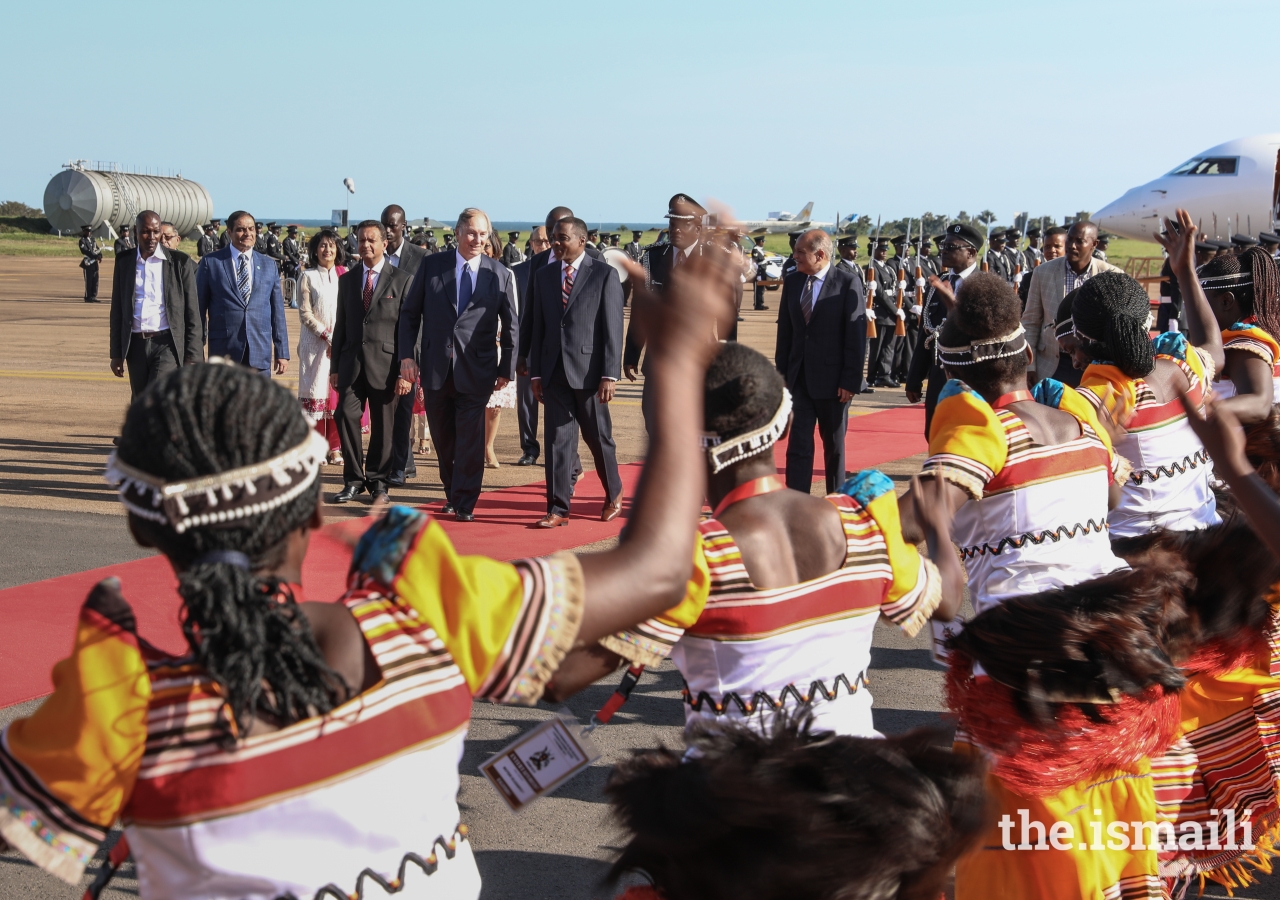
{"x": 538, "y": 762}
{"x": 941, "y": 632}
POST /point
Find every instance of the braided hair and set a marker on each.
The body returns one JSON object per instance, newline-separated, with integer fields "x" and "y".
{"x": 987, "y": 307}
{"x": 1111, "y": 312}
{"x": 1261, "y": 298}
{"x": 743, "y": 391}
{"x": 245, "y": 629}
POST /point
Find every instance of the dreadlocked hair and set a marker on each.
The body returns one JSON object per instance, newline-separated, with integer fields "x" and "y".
{"x": 246, "y": 630}
{"x": 798, "y": 814}
{"x": 1262, "y": 448}
{"x": 1112, "y": 309}
{"x": 742, "y": 391}
{"x": 987, "y": 307}
{"x": 1260, "y": 299}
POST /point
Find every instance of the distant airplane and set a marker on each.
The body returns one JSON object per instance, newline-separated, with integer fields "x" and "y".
{"x": 781, "y": 222}
{"x": 1231, "y": 188}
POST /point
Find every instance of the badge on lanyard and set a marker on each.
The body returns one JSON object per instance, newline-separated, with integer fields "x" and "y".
{"x": 539, "y": 761}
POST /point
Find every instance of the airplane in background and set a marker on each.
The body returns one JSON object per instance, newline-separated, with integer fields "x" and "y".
{"x": 1231, "y": 188}
{"x": 783, "y": 222}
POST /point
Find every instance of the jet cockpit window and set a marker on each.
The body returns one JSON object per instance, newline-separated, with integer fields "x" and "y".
{"x": 1208, "y": 165}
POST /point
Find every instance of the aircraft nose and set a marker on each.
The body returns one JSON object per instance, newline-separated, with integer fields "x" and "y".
{"x": 1135, "y": 215}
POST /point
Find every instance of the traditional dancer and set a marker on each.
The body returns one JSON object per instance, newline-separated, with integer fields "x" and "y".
{"x": 788, "y": 587}
{"x": 1137, "y": 381}
{"x": 311, "y": 749}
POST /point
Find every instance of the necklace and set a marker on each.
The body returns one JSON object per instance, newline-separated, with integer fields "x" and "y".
{"x": 1010, "y": 398}
{"x": 765, "y": 484}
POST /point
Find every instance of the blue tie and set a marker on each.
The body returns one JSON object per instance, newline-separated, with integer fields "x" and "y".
{"x": 242, "y": 276}
{"x": 464, "y": 289}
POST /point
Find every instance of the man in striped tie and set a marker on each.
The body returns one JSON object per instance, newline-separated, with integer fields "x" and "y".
{"x": 575, "y": 358}
{"x": 241, "y": 304}
{"x": 820, "y": 351}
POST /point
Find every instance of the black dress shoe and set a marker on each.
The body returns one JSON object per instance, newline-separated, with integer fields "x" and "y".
{"x": 350, "y": 492}
{"x": 447, "y": 509}
{"x": 866, "y": 391}
{"x": 465, "y": 517}
{"x": 527, "y": 460}
{"x": 380, "y": 493}
{"x": 761, "y": 306}
{"x": 396, "y": 478}
{"x": 92, "y": 300}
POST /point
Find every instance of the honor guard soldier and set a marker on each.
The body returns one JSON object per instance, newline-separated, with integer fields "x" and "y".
{"x": 224, "y": 239}
{"x": 1270, "y": 241}
{"x": 1169, "y": 315}
{"x": 274, "y": 249}
{"x": 614, "y": 239}
{"x": 260, "y": 239}
{"x": 885, "y": 307}
{"x": 899, "y": 258}
{"x": 789, "y": 264}
{"x": 1100, "y": 252}
{"x": 292, "y": 253}
{"x": 511, "y": 255}
{"x": 124, "y": 242}
{"x": 996, "y": 259}
{"x": 208, "y": 242}
{"x": 1032, "y": 256}
{"x": 758, "y": 256}
{"x": 1243, "y": 242}
{"x": 633, "y": 249}
{"x": 960, "y": 251}
{"x": 593, "y": 236}
{"x": 450, "y": 242}
{"x": 1017, "y": 263}
{"x": 91, "y": 257}
{"x": 928, "y": 262}
{"x": 432, "y": 246}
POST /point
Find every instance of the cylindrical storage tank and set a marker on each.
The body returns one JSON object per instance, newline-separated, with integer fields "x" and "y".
{"x": 78, "y": 197}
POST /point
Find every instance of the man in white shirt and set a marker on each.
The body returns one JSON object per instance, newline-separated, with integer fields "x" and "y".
{"x": 155, "y": 317}
{"x": 407, "y": 256}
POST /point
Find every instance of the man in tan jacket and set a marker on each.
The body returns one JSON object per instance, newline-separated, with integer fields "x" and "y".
{"x": 1052, "y": 281}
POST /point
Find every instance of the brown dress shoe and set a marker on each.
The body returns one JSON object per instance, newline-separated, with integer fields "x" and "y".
{"x": 551, "y": 520}
{"x": 611, "y": 510}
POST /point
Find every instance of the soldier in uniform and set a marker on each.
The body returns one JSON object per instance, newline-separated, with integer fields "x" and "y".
{"x": 593, "y": 237}
{"x": 1243, "y": 242}
{"x": 1100, "y": 252}
{"x": 633, "y": 249}
{"x": 274, "y": 249}
{"x": 614, "y": 239}
{"x": 996, "y": 259}
{"x": 224, "y": 239}
{"x": 1033, "y": 255}
{"x": 124, "y": 242}
{"x": 789, "y": 264}
{"x": 758, "y": 256}
{"x": 511, "y": 255}
{"x": 1169, "y": 314}
{"x": 1017, "y": 263}
{"x": 432, "y": 246}
{"x": 1270, "y": 242}
{"x": 885, "y": 307}
{"x": 292, "y": 253}
{"x": 91, "y": 257}
{"x": 208, "y": 242}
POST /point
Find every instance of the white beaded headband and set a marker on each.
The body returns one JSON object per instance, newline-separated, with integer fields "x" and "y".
{"x": 725, "y": 452}
{"x": 984, "y": 351}
{"x": 224, "y": 498}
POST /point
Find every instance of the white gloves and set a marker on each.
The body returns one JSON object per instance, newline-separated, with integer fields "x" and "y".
{"x": 902, "y": 285}
{"x": 917, "y": 309}
{"x": 871, "y": 316}
{"x": 872, "y": 287}
{"x": 920, "y": 282}
{"x": 902, "y": 314}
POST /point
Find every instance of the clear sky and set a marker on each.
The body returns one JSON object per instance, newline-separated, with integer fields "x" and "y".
{"x": 891, "y": 108}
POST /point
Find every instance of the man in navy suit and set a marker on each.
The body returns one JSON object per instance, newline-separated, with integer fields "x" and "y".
{"x": 575, "y": 358}
{"x": 821, "y": 348}
{"x": 241, "y": 305}
{"x": 465, "y": 304}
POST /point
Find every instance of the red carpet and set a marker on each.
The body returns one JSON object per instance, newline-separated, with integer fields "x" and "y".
{"x": 39, "y": 618}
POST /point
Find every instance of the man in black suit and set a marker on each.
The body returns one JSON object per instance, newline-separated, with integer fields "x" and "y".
{"x": 462, "y": 303}
{"x": 407, "y": 256}
{"x": 575, "y": 357}
{"x": 526, "y": 403}
{"x": 155, "y": 311}
{"x": 363, "y": 364}
{"x": 822, "y": 342}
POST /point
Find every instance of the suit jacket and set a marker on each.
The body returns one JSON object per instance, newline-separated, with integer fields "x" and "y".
{"x": 831, "y": 348}
{"x": 229, "y": 323}
{"x": 469, "y": 341}
{"x": 365, "y": 342}
{"x": 520, "y": 272}
{"x": 536, "y": 262}
{"x": 586, "y": 334}
{"x": 657, "y": 265}
{"x": 411, "y": 256}
{"x": 180, "y": 305}
{"x": 1048, "y": 287}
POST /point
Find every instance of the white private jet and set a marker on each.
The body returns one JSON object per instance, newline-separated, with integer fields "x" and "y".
{"x": 783, "y": 222}
{"x": 1231, "y": 188}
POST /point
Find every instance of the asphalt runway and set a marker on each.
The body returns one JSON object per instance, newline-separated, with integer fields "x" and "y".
{"x": 57, "y": 516}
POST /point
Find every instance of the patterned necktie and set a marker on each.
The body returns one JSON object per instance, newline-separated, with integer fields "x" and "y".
{"x": 806, "y": 300}
{"x": 242, "y": 276}
{"x": 368, "y": 288}
{"x": 567, "y": 287}
{"x": 464, "y": 289}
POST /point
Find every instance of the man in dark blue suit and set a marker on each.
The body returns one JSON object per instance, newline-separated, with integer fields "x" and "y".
{"x": 821, "y": 348}
{"x": 575, "y": 358}
{"x": 465, "y": 303}
{"x": 241, "y": 305}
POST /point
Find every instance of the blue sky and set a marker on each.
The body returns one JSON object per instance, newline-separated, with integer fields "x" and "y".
{"x": 888, "y": 109}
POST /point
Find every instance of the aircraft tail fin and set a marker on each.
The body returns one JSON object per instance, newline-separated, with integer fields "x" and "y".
{"x": 805, "y": 214}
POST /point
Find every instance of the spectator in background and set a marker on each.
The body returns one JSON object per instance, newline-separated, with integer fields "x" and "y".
{"x": 169, "y": 237}
{"x": 241, "y": 305}
{"x": 124, "y": 242}
{"x": 317, "y": 311}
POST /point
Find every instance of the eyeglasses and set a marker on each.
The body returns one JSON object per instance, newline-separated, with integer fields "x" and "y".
{"x": 951, "y": 248}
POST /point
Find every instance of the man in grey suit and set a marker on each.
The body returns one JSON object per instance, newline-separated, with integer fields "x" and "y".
{"x": 462, "y": 303}
{"x": 155, "y": 316}
{"x": 406, "y": 256}
{"x": 575, "y": 358}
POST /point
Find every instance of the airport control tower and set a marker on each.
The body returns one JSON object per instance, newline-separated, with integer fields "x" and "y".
{"x": 103, "y": 195}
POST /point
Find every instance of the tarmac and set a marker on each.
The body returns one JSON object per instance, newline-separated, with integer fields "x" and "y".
{"x": 58, "y": 516}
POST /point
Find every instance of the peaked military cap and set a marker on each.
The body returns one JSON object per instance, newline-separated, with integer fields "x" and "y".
{"x": 1269, "y": 237}
{"x": 1012, "y": 234}
{"x": 846, "y": 240}
{"x": 898, "y": 239}
{"x": 682, "y": 206}
{"x": 1034, "y": 232}
{"x": 1244, "y": 240}
{"x": 513, "y": 234}
{"x": 636, "y": 235}
{"x": 966, "y": 233}
{"x": 1207, "y": 246}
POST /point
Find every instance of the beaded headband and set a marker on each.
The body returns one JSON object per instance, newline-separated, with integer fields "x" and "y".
{"x": 725, "y": 452}
{"x": 220, "y": 500}
{"x": 974, "y": 352}
{"x": 1220, "y": 282}
{"x": 1065, "y": 327}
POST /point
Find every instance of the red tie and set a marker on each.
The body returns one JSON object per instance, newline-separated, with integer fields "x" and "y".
{"x": 567, "y": 287}
{"x": 368, "y": 288}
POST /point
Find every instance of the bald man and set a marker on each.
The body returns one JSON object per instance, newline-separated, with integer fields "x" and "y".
{"x": 821, "y": 348}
